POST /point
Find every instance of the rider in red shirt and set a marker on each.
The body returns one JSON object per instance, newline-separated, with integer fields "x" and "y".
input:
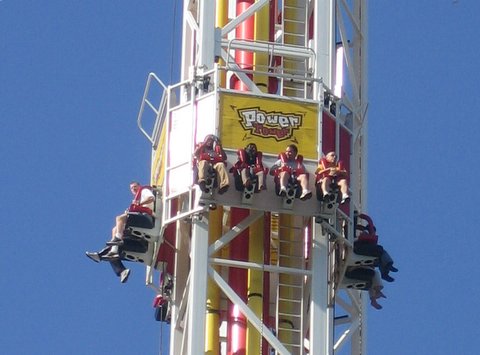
{"x": 330, "y": 170}
{"x": 290, "y": 164}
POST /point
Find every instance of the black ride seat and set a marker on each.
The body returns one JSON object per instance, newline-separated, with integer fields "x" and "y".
{"x": 140, "y": 220}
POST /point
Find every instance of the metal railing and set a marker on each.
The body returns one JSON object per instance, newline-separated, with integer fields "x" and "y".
{"x": 160, "y": 111}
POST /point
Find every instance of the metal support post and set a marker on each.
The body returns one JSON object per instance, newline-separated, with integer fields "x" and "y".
{"x": 198, "y": 288}
{"x": 321, "y": 312}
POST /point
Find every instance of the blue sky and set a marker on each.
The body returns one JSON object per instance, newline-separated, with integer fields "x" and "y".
{"x": 71, "y": 79}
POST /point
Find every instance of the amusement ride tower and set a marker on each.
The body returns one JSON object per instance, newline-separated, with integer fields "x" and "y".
{"x": 260, "y": 273}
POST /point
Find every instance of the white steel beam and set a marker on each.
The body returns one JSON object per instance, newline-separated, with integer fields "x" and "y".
{"x": 197, "y": 295}
{"x": 321, "y": 313}
{"x": 324, "y": 41}
{"x": 206, "y": 48}
{"x": 232, "y": 233}
{"x": 180, "y": 290}
{"x": 359, "y": 53}
{"x": 238, "y": 72}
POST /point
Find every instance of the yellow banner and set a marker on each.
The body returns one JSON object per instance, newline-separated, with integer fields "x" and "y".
{"x": 270, "y": 124}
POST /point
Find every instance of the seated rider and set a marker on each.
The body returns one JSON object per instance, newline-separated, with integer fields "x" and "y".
{"x": 290, "y": 166}
{"x": 249, "y": 166}
{"x": 366, "y": 243}
{"x": 210, "y": 155}
{"x": 143, "y": 202}
{"x": 330, "y": 171}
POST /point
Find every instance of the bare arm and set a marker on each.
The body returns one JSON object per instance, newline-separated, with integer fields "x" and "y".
{"x": 275, "y": 166}
{"x": 147, "y": 201}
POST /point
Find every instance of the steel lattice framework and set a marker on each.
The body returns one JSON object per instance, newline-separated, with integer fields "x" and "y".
{"x": 315, "y": 53}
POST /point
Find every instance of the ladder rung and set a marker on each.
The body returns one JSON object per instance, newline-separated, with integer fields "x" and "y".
{"x": 293, "y": 34}
{"x": 287, "y": 6}
{"x": 285, "y": 20}
{"x": 291, "y": 346}
{"x": 290, "y": 300}
{"x": 289, "y": 256}
{"x": 298, "y": 78}
{"x": 288, "y": 330}
{"x": 293, "y": 288}
{"x": 290, "y": 253}
{"x": 298, "y": 241}
{"x": 289, "y": 315}
{"x": 298, "y": 286}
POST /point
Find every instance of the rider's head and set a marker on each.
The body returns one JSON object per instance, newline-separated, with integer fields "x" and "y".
{"x": 291, "y": 151}
{"x": 209, "y": 140}
{"x": 331, "y": 157}
{"x": 251, "y": 149}
{"x": 134, "y": 186}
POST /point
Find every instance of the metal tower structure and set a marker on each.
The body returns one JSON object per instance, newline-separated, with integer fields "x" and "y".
{"x": 258, "y": 273}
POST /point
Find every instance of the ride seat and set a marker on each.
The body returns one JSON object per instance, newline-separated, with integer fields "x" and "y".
{"x": 349, "y": 283}
{"x": 145, "y": 226}
{"x": 354, "y": 259}
{"x": 137, "y": 250}
{"x": 294, "y": 190}
{"x": 141, "y": 220}
{"x": 359, "y": 278}
{"x": 211, "y": 181}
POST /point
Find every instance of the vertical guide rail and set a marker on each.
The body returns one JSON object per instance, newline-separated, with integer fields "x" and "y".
{"x": 197, "y": 291}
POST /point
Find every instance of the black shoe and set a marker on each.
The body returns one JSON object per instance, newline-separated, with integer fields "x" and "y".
{"x": 203, "y": 185}
{"x": 223, "y": 189}
{"x": 115, "y": 241}
{"x": 329, "y": 197}
{"x": 387, "y": 278}
{"x": 393, "y": 269}
{"x": 111, "y": 256}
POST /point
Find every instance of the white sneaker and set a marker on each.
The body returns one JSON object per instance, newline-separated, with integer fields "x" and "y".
{"x": 124, "y": 275}
{"x": 345, "y": 198}
{"x": 93, "y": 256}
{"x": 306, "y": 194}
